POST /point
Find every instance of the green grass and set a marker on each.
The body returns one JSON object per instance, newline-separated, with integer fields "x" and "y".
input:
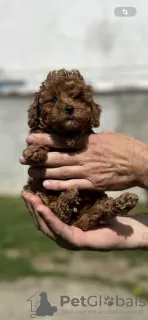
{"x": 13, "y": 269}
{"x": 17, "y": 229}
{"x": 18, "y": 233}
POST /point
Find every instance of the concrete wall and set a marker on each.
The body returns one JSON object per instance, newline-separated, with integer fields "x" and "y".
{"x": 13, "y": 132}
{"x": 118, "y": 112}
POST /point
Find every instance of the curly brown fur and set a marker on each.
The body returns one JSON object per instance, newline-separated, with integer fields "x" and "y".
{"x": 64, "y": 105}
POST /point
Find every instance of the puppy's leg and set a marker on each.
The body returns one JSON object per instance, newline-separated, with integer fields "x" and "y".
{"x": 124, "y": 203}
{"x": 66, "y": 205}
{"x": 104, "y": 209}
{"x": 35, "y": 154}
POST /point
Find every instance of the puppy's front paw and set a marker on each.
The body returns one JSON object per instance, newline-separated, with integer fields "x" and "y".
{"x": 35, "y": 154}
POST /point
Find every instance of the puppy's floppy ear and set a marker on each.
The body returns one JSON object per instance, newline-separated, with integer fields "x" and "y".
{"x": 96, "y": 109}
{"x": 96, "y": 112}
{"x": 33, "y": 113}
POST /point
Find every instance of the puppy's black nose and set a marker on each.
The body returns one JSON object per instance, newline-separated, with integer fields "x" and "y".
{"x": 69, "y": 109}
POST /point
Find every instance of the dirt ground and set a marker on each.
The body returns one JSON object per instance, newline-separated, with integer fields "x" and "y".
{"x": 109, "y": 268}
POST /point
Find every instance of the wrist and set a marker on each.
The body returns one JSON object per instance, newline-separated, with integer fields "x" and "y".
{"x": 139, "y": 163}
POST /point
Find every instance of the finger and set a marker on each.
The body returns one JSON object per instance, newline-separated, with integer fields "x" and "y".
{"x": 58, "y": 159}
{"x": 68, "y": 184}
{"x": 26, "y": 197}
{"x": 61, "y": 230}
{"x": 44, "y": 139}
{"x": 32, "y": 202}
{"x": 27, "y": 203}
{"x": 56, "y": 173}
{"x": 35, "y": 201}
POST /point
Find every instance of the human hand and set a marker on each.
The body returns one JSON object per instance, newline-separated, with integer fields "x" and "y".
{"x": 122, "y": 232}
{"x": 110, "y": 161}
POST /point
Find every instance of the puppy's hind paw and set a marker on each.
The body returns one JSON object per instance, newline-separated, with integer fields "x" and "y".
{"x": 126, "y": 202}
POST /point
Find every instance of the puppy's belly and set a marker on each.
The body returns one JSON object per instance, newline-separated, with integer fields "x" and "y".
{"x": 67, "y": 205}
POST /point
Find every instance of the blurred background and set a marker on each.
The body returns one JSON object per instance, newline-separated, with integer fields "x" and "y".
{"x": 111, "y": 52}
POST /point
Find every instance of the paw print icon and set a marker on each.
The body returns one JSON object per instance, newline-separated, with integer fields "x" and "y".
{"x": 109, "y": 301}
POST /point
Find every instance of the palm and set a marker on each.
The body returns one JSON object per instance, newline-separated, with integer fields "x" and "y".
{"x": 72, "y": 237}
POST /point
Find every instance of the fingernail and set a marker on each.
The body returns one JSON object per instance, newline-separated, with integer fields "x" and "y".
{"x": 47, "y": 184}
{"x": 30, "y": 139}
{"x": 39, "y": 210}
{"x": 22, "y": 159}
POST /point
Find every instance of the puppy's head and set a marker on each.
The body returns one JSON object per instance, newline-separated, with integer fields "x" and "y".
{"x": 64, "y": 105}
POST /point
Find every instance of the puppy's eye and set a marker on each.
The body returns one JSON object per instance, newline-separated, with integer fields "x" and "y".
{"x": 78, "y": 96}
{"x": 54, "y": 100}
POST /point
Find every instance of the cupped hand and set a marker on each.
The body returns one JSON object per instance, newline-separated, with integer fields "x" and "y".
{"x": 110, "y": 161}
{"x": 122, "y": 232}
